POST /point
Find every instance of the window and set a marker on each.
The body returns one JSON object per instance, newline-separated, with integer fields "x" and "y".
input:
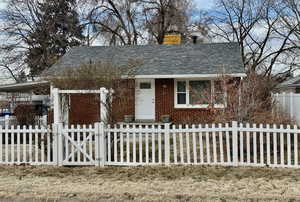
{"x": 145, "y": 85}
{"x": 198, "y": 93}
{"x": 181, "y": 92}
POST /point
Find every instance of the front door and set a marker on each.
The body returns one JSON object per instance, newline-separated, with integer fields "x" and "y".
{"x": 145, "y": 99}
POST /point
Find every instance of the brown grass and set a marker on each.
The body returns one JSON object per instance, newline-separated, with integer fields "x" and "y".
{"x": 151, "y": 173}
{"x": 174, "y": 183}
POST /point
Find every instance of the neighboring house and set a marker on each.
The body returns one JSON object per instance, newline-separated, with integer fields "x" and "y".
{"x": 290, "y": 86}
{"x": 164, "y": 81}
{"x": 23, "y": 93}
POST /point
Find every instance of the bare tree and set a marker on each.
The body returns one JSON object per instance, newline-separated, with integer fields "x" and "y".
{"x": 117, "y": 22}
{"x": 289, "y": 12}
{"x": 128, "y": 22}
{"x": 36, "y": 33}
{"x": 20, "y": 18}
{"x": 10, "y": 67}
{"x": 257, "y": 27}
{"x": 162, "y": 16}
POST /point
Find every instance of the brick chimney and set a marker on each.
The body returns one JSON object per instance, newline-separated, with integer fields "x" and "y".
{"x": 172, "y": 36}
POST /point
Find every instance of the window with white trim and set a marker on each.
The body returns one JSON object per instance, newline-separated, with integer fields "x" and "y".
{"x": 199, "y": 93}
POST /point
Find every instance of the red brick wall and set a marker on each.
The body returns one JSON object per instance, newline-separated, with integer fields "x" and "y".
{"x": 84, "y": 109}
{"x": 124, "y": 100}
{"x": 164, "y": 97}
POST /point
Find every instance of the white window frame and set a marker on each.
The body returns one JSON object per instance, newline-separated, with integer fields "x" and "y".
{"x": 196, "y": 106}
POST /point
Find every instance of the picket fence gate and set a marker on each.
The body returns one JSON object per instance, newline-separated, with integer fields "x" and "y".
{"x": 233, "y": 144}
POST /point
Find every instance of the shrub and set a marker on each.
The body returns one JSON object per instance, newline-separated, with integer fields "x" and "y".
{"x": 25, "y": 114}
{"x": 250, "y": 100}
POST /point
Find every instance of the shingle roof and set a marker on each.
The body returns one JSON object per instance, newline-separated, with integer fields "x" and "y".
{"x": 206, "y": 58}
{"x": 293, "y": 82}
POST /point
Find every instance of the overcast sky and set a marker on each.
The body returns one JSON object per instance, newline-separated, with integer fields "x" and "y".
{"x": 2, "y": 3}
{"x": 203, "y": 4}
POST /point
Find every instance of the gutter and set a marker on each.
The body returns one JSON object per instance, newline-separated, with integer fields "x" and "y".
{"x": 176, "y": 76}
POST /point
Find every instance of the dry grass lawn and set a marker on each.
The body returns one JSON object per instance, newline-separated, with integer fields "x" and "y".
{"x": 178, "y": 183}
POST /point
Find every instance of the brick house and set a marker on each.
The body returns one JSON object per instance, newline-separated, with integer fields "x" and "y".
{"x": 167, "y": 83}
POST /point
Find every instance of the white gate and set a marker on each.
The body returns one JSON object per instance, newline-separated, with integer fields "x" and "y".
{"x": 78, "y": 145}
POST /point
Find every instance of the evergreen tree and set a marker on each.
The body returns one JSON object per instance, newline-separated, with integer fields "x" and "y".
{"x": 57, "y": 30}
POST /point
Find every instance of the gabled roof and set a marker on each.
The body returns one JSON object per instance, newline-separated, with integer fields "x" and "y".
{"x": 291, "y": 83}
{"x": 192, "y": 59}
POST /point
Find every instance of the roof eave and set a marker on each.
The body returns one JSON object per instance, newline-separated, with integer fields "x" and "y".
{"x": 178, "y": 76}
{"x": 23, "y": 87}
{"x": 289, "y": 86}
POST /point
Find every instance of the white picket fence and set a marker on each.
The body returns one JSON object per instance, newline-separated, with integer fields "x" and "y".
{"x": 289, "y": 103}
{"x": 26, "y": 145}
{"x": 149, "y": 144}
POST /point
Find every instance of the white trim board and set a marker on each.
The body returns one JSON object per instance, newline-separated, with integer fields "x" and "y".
{"x": 79, "y": 91}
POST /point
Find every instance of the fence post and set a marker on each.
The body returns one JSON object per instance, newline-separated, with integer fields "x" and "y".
{"x": 56, "y": 106}
{"x": 6, "y": 121}
{"x": 44, "y": 120}
{"x": 167, "y": 143}
{"x": 60, "y": 144}
{"x": 235, "y": 142}
{"x": 102, "y": 144}
{"x": 103, "y": 104}
{"x": 97, "y": 144}
{"x": 55, "y": 143}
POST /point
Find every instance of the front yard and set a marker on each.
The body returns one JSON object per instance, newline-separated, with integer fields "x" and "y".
{"x": 193, "y": 183}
